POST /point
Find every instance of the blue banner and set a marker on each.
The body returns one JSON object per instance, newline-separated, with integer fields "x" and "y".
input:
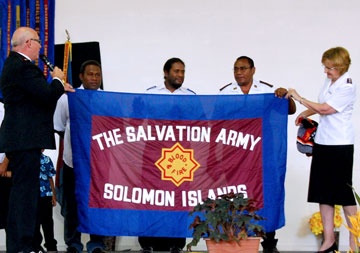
{"x": 142, "y": 161}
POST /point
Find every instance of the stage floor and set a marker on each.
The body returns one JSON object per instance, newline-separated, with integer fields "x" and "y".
{"x": 196, "y": 251}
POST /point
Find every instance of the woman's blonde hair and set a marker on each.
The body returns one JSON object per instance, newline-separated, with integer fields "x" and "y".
{"x": 339, "y": 57}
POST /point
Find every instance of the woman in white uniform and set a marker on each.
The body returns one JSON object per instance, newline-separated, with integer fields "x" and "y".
{"x": 332, "y": 162}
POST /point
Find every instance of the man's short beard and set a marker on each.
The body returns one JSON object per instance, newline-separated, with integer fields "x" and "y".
{"x": 175, "y": 85}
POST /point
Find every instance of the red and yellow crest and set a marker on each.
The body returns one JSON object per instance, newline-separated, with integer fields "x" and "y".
{"x": 177, "y": 164}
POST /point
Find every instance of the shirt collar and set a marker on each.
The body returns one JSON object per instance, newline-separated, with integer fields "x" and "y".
{"x": 340, "y": 80}
{"x": 82, "y": 87}
{"x": 27, "y": 57}
{"x": 164, "y": 87}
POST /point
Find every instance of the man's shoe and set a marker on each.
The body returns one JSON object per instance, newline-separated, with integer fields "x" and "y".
{"x": 272, "y": 250}
{"x": 147, "y": 250}
{"x": 176, "y": 250}
{"x": 269, "y": 246}
{"x": 98, "y": 250}
{"x": 71, "y": 250}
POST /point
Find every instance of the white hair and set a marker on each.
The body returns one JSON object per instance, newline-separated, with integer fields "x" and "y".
{"x": 20, "y": 36}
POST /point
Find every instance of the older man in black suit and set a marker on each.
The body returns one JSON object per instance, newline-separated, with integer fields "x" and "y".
{"x": 26, "y": 129}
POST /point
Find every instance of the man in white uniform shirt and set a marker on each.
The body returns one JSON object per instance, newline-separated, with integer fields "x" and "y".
{"x": 244, "y": 70}
{"x": 174, "y": 74}
{"x": 90, "y": 76}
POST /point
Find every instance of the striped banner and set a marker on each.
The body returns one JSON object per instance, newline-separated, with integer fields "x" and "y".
{"x": 67, "y": 62}
{"x": 37, "y": 14}
{"x": 8, "y": 23}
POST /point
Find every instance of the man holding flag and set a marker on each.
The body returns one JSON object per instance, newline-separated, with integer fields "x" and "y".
{"x": 90, "y": 76}
{"x": 174, "y": 75}
{"x": 244, "y": 70}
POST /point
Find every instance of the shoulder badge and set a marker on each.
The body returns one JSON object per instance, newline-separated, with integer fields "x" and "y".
{"x": 348, "y": 80}
{"x": 225, "y": 86}
{"x": 152, "y": 87}
{"x": 191, "y": 91}
{"x": 270, "y": 85}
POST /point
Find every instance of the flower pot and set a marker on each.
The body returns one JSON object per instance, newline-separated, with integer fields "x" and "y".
{"x": 250, "y": 245}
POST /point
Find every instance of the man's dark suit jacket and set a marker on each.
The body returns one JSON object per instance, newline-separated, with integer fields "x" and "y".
{"x": 29, "y": 106}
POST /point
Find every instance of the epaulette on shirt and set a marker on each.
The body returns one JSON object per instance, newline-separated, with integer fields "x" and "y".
{"x": 225, "y": 86}
{"x": 348, "y": 80}
{"x": 270, "y": 85}
{"x": 191, "y": 91}
{"x": 152, "y": 87}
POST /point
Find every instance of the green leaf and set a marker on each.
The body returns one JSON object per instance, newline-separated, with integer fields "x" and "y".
{"x": 229, "y": 217}
{"x": 356, "y": 195}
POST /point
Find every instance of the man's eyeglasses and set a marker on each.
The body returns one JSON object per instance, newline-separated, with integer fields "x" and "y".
{"x": 243, "y": 68}
{"x": 38, "y": 41}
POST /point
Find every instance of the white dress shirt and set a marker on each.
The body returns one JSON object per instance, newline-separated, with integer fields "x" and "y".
{"x": 62, "y": 124}
{"x": 257, "y": 87}
{"x": 161, "y": 89}
{"x": 337, "y": 128}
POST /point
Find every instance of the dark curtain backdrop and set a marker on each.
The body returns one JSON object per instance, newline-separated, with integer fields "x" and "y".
{"x": 81, "y": 52}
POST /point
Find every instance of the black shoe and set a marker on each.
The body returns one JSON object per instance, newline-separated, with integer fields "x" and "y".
{"x": 271, "y": 250}
{"x": 331, "y": 249}
{"x": 71, "y": 250}
{"x": 269, "y": 246}
{"x": 51, "y": 250}
{"x": 98, "y": 250}
{"x": 175, "y": 250}
{"x": 147, "y": 250}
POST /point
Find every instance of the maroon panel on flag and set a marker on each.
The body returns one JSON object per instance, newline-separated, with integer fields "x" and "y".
{"x": 172, "y": 165}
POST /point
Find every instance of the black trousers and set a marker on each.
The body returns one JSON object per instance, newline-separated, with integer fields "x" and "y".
{"x": 23, "y": 224}
{"x": 269, "y": 242}
{"x": 69, "y": 209}
{"x": 270, "y": 236}
{"x": 162, "y": 243}
{"x": 5, "y": 186}
{"x": 47, "y": 222}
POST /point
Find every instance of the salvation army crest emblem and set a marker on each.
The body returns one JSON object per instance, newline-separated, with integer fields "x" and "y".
{"x": 177, "y": 164}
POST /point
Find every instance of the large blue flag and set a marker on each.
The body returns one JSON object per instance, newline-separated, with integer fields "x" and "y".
{"x": 142, "y": 161}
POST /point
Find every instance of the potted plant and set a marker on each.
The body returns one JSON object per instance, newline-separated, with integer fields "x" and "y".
{"x": 228, "y": 220}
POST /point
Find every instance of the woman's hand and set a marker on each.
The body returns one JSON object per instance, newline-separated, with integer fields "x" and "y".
{"x": 293, "y": 93}
{"x": 298, "y": 119}
{"x": 303, "y": 115}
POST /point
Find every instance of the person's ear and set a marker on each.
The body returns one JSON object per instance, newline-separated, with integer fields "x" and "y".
{"x": 253, "y": 70}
